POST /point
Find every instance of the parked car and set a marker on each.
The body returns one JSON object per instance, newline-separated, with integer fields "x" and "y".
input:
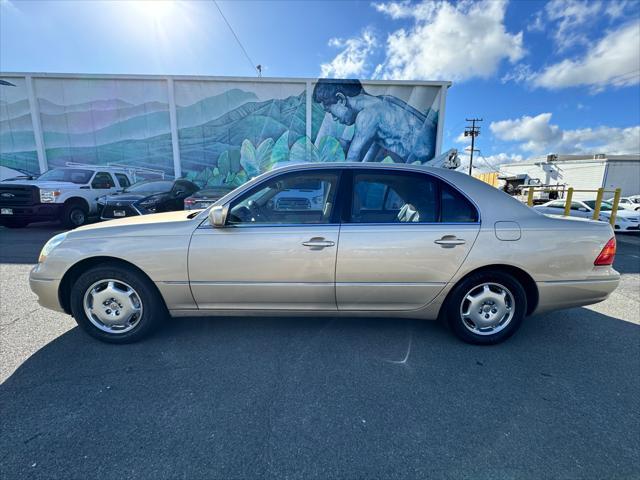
{"x": 147, "y": 196}
{"x": 66, "y": 194}
{"x": 628, "y": 203}
{"x": 626, "y": 220}
{"x": 205, "y": 198}
{"x": 389, "y": 240}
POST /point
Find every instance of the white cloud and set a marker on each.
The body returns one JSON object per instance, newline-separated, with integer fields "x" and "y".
{"x": 538, "y": 135}
{"x": 614, "y": 60}
{"x": 571, "y": 17}
{"x": 352, "y": 61}
{"x": 446, "y": 41}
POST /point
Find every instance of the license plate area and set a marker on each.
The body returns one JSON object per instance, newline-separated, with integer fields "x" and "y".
{"x": 119, "y": 213}
{"x": 6, "y": 211}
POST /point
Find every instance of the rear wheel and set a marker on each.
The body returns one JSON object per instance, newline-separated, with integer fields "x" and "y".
{"x": 486, "y": 308}
{"x": 74, "y": 215}
{"x": 116, "y": 304}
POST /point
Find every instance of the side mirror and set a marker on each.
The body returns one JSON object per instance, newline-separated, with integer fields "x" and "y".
{"x": 218, "y": 216}
{"x": 582, "y": 209}
{"x": 177, "y": 193}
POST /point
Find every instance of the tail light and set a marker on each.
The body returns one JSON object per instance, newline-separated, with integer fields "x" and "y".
{"x": 189, "y": 201}
{"x": 607, "y": 254}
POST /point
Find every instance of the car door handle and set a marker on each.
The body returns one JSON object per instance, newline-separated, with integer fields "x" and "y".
{"x": 318, "y": 242}
{"x": 450, "y": 241}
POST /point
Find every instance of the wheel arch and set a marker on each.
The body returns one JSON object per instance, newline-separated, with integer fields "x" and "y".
{"x": 72, "y": 274}
{"x": 78, "y": 201}
{"x": 527, "y": 282}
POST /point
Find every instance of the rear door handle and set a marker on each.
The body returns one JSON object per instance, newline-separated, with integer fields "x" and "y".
{"x": 450, "y": 241}
{"x": 318, "y": 242}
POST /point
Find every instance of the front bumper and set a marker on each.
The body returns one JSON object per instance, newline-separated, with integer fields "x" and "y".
{"x": 109, "y": 212}
{"x": 46, "y": 289}
{"x": 577, "y": 293}
{"x": 33, "y": 213}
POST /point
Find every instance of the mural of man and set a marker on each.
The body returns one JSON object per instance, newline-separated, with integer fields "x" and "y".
{"x": 384, "y": 124}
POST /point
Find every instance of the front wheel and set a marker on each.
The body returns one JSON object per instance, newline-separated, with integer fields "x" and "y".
{"x": 486, "y": 308}
{"x": 74, "y": 215}
{"x": 116, "y": 304}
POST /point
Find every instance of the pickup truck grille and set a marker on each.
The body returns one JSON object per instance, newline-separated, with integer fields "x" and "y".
{"x": 19, "y": 195}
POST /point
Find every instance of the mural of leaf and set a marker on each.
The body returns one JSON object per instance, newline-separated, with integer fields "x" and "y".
{"x": 280, "y": 151}
{"x": 387, "y": 159}
{"x": 263, "y": 155}
{"x": 330, "y": 150}
{"x": 303, "y": 151}
{"x": 224, "y": 163}
{"x": 248, "y": 159}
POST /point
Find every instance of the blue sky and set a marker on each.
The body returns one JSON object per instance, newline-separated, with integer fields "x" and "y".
{"x": 547, "y": 77}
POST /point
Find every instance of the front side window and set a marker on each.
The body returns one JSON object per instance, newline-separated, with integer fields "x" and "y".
{"x": 407, "y": 198}
{"x": 294, "y": 198}
{"x": 102, "y": 180}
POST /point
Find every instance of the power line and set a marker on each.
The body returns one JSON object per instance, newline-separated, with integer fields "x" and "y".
{"x": 472, "y": 131}
{"x": 257, "y": 68}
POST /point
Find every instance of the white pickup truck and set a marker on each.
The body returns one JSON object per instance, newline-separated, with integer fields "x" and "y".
{"x": 67, "y": 194}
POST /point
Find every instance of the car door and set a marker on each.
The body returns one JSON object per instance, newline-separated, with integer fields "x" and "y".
{"x": 103, "y": 184}
{"x": 403, "y": 237}
{"x": 277, "y": 250}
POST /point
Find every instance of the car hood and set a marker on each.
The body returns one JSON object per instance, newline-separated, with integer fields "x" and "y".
{"x": 126, "y": 197}
{"x": 167, "y": 223}
{"x": 36, "y": 183}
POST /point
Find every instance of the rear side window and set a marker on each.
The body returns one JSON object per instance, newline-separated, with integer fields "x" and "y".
{"x": 123, "y": 180}
{"x": 403, "y": 197}
{"x": 455, "y": 208}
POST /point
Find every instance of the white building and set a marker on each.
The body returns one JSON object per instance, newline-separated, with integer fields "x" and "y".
{"x": 582, "y": 172}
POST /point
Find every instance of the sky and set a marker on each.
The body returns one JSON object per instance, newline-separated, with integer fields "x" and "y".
{"x": 558, "y": 76}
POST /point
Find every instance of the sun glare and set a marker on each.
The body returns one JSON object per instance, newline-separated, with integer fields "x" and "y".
{"x": 159, "y": 11}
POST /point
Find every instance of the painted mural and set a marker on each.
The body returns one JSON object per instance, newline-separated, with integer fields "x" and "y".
{"x": 228, "y": 131}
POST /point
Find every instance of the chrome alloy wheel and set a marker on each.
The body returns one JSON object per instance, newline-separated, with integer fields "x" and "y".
{"x": 113, "y": 306}
{"x": 487, "y": 308}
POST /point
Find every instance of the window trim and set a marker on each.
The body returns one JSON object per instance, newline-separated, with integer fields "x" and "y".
{"x": 333, "y": 221}
{"x": 346, "y": 213}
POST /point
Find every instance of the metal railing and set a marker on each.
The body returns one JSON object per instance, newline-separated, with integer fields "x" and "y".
{"x": 569, "y": 197}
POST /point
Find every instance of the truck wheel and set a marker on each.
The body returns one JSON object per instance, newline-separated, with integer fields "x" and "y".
{"x": 116, "y": 304}
{"x": 74, "y": 215}
{"x": 486, "y": 308}
{"x": 14, "y": 223}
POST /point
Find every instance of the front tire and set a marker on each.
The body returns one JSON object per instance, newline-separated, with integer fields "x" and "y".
{"x": 116, "y": 304}
{"x": 486, "y": 308}
{"x": 14, "y": 223}
{"x": 74, "y": 215}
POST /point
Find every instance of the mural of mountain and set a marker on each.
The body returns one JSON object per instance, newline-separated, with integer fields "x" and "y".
{"x": 212, "y": 107}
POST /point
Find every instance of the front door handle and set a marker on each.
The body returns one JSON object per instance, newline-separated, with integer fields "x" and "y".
{"x": 318, "y": 242}
{"x": 450, "y": 241}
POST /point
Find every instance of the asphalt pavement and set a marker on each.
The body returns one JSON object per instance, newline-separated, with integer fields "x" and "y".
{"x": 318, "y": 398}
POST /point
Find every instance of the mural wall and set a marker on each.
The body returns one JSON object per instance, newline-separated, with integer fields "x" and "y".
{"x": 227, "y": 131}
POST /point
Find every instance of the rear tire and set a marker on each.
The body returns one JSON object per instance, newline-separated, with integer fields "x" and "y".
{"x": 116, "y": 304}
{"x": 74, "y": 215}
{"x": 486, "y": 308}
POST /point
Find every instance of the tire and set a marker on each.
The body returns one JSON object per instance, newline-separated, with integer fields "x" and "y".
{"x": 74, "y": 215}
{"x": 108, "y": 298}
{"x": 498, "y": 320}
{"x": 14, "y": 223}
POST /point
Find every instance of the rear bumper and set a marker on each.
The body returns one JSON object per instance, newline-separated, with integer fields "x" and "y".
{"x": 33, "y": 213}
{"x": 568, "y": 294}
{"x": 46, "y": 290}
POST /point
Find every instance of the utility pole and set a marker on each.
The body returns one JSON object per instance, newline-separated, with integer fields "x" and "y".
{"x": 472, "y": 131}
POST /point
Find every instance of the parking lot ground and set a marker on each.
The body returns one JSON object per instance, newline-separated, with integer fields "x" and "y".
{"x": 318, "y": 398}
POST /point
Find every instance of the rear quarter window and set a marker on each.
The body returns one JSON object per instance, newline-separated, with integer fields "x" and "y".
{"x": 455, "y": 207}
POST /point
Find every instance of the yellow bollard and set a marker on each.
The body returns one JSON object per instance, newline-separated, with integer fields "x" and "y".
{"x": 596, "y": 211}
{"x": 567, "y": 204}
{"x": 614, "y": 208}
{"x": 530, "y": 196}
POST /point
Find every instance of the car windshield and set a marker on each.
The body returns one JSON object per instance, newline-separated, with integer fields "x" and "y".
{"x": 150, "y": 186}
{"x": 73, "y": 175}
{"x": 604, "y": 207}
